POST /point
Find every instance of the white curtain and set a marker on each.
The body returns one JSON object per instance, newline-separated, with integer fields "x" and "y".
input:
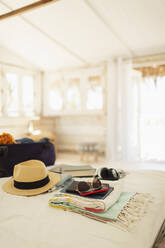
{"x": 122, "y": 112}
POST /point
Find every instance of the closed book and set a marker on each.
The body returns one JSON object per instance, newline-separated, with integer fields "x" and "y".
{"x": 75, "y": 170}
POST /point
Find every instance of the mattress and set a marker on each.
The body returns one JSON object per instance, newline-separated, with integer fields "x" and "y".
{"x": 30, "y": 222}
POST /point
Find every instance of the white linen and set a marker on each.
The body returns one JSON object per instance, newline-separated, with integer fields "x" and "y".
{"x": 30, "y": 223}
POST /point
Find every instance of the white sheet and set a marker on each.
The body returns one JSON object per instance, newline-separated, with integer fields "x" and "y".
{"x": 30, "y": 223}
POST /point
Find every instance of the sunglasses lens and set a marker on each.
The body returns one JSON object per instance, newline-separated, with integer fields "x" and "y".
{"x": 96, "y": 183}
{"x": 83, "y": 186}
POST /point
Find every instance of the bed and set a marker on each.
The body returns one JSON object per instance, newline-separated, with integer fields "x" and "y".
{"x": 30, "y": 222}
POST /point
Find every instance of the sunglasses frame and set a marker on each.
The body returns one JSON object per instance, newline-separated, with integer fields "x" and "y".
{"x": 91, "y": 186}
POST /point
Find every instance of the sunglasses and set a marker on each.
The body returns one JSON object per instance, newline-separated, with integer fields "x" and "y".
{"x": 88, "y": 187}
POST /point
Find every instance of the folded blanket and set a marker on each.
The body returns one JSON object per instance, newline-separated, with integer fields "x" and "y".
{"x": 123, "y": 214}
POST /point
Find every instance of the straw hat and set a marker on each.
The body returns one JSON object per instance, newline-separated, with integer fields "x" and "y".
{"x": 30, "y": 178}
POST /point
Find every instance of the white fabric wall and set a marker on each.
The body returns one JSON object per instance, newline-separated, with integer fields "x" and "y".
{"x": 9, "y": 57}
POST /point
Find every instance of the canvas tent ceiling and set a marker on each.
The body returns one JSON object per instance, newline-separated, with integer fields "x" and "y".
{"x": 72, "y": 33}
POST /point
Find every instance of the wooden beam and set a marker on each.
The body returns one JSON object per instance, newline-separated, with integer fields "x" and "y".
{"x": 26, "y": 8}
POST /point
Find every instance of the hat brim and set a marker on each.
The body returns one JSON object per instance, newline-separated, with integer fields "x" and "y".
{"x": 9, "y": 186}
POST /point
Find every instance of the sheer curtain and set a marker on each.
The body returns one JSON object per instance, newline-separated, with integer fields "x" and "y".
{"x": 122, "y": 111}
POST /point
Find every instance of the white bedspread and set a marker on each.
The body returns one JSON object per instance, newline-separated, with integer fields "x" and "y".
{"x": 29, "y": 222}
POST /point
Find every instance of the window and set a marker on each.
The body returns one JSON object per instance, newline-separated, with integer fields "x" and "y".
{"x": 78, "y": 92}
{"x": 17, "y": 91}
{"x": 152, "y": 121}
{"x": 12, "y": 100}
{"x": 1, "y": 93}
{"x": 73, "y": 97}
{"x": 94, "y": 94}
{"x": 28, "y": 95}
{"x": 55, "y": 96}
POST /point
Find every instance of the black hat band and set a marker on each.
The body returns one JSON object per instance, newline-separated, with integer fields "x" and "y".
{"x": 32, "y": 185}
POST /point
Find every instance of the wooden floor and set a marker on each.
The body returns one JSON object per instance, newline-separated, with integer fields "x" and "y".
{"x": 74, "y": 159}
